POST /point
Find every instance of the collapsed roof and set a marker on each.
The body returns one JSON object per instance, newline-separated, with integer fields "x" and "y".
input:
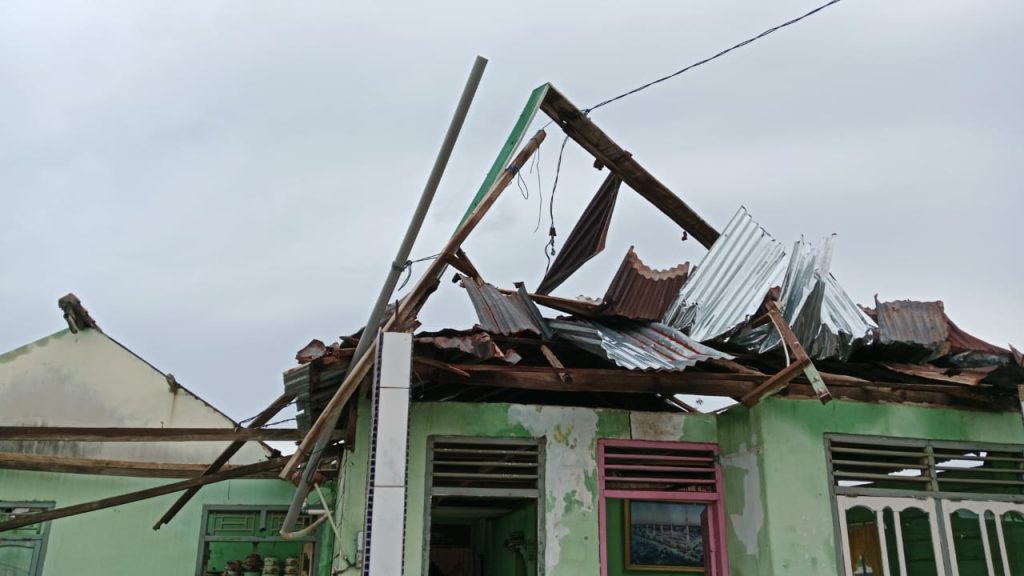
{"x": 747, "y": 321}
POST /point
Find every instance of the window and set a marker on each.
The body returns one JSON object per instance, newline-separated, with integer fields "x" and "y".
{"x": 929, "y": 508}
{"x": 240, "y": 533}
{"x": 661, "y": 508}
{"x": 22, "y": 549}
{"x": 485, "y": 506}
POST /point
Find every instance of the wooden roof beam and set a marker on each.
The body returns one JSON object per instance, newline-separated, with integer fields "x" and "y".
{"x": 585, "y": 133}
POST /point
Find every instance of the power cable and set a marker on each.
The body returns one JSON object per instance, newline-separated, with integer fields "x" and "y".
{"x": 587, "y": 111}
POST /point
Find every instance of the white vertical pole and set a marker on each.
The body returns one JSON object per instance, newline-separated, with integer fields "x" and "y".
{"x": 1002, "y": 544}
{"x": 880, "y": 519}
{"x": 385, "y": 534}
{"x": 985, "y": 543}
{"x": 899, "y": 542}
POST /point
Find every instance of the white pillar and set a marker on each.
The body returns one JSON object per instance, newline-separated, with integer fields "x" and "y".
{"x": 385, "y": 534}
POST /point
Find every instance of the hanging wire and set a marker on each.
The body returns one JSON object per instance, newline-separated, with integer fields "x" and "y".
{"x": 408, "y": 268}
{"x": 587, "y": 111}
{"x": 251, "y": 418}
{"x": 549, "y": 248}
{"x": 540, "y": 190}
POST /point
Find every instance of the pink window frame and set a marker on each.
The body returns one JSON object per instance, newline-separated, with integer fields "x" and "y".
{"x": 716, "y": 516}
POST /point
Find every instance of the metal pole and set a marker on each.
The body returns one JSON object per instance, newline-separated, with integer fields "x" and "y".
{"x": 373, "y": 323}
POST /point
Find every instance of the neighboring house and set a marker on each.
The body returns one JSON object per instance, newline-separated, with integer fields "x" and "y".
{"x": 882, "y": 441}
{"x": 81, "y": 377}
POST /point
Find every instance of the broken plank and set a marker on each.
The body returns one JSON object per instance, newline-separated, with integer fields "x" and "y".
{"x": 87, "y": 434}
{"x": 585, "y": 133}
{"x": 42, "y": 463}
{"x": 57, "y": 513}
{"x": 262, "y": 418}
{"x": 776, "y": 382}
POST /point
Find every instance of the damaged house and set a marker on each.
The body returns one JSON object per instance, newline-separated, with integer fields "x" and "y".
{"x": 89, "y": 427}
{"x": 556, "y": 436}
{"x": 551, "y": 438}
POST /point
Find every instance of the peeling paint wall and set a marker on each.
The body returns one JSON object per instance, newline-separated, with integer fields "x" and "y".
{"x": 777, "y": 498}
{"x": 571, "y": 507}
{"x": 742, "y": 459}
{"x": 88, "y": 379}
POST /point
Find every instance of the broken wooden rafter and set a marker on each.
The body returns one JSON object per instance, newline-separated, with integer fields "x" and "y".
{"x": 86, "y": 434}
{"x": 801, "y": 363}
{"x": 555, "y": 363}
{"x": 409, "y": 306}
{"x": 56, "y": 513}
{"x": 585, "y": 133}
{"x": 460, "y": 261}
{"x": 259, "y": 420}
{"x": 599, "y": 380}
{"x": 42, "y": 463}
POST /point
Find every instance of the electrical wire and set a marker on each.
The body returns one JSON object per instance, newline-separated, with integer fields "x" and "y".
{"x": 549, "y": 248}
{"x": 771, "y": 30}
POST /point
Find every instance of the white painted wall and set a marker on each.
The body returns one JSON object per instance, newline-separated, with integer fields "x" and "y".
{"x": 88, "y": 379}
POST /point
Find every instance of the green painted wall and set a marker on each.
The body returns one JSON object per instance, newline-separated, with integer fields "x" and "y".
{"x": 571, "y": 521}
{"x": 777, "y": 498}
{"x": 120, "y": 540}
{"x": 799, "y": 530}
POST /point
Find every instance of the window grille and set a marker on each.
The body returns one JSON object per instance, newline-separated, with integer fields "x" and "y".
{"x": 485, "y": 467}
{"x": 659, "y": 467}
{"x": 864, "y": 464}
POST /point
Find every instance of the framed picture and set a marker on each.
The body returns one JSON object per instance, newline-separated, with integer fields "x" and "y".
{"x": 665, "y": 536}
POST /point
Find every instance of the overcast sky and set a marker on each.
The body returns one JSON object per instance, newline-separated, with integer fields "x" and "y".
{"x": 221, "y": 182}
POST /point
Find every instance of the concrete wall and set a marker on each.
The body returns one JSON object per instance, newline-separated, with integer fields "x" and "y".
{"x": 571, "y": 498}
{"x": 88, "y": 379}
{"x": 777, "y": 488}
{"x": 777, "y": 496}
{"x": 120, "y": 540}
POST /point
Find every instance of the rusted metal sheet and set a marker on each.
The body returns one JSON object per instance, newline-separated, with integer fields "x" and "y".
{"x": 730, "y": 283}
{"x": 970, "y": 377}
{"x": 637, "y": 346}
{"x": 315, "y": 349}
{"x": 640, "y": 292}
{"x": 961, "y": 341}
{"x": 587, "y": 238}
{"x": 476, "y": 343}
{"x": 923, "y": 325}
{"x": 504, "y": 313}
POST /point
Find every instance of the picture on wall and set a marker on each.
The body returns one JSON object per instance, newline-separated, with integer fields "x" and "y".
{"x": 665, "y": 536}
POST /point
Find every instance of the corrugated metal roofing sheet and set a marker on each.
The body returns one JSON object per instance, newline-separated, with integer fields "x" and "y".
{"x": 640, "y": 292}
{"x": 504, "y": 313}
{"x": 823, "y": 316}
{"x": 637, "y": 346}
{"x": 922, "y": 324}
{"x": 730, "y": 283}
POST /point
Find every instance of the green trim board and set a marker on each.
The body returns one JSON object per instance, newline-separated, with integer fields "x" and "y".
{"x": 509, "y": 148}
